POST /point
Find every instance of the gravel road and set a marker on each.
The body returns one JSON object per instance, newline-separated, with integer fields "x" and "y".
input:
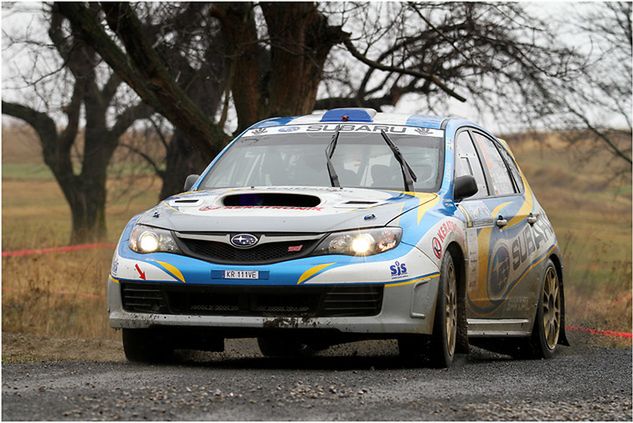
{"x": 361, "y": 381}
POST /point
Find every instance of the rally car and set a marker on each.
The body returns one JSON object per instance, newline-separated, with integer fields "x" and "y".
{"x": 345, "y": 225}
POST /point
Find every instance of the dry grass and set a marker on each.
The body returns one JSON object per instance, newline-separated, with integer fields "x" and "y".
{"x": 60, "y": 294}
{"x": 63, "y": 295}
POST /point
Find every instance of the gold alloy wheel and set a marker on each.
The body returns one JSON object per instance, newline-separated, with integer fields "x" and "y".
{"x": 551, "y": 308}
{"x": 451, "y": 309}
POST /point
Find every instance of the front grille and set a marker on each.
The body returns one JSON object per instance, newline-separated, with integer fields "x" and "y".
{"x": 221, "y": 252}
{"x": 299, "y": 301}
{"x": 142, "y": 298}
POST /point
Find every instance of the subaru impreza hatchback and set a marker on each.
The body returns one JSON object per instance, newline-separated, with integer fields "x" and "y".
{"x": 310, "y": 231}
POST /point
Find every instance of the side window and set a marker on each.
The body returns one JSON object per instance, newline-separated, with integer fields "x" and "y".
{"x": 514, "y": 170}
{"x": 501, "y": 181}
{"x": 467, "y": 163}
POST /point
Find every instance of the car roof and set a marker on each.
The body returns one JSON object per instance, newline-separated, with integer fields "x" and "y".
{"x": 360, "y": 115}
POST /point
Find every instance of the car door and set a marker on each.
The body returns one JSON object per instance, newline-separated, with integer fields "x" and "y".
{"x": 505, "y": 250}
{"x": 480, "y": 225}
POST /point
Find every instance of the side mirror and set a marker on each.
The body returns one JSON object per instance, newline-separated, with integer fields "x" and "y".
{"x": 191, "y": 179}
{"x": 464, "y": 187}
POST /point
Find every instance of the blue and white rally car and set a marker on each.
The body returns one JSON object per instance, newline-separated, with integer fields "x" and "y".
{"x": 350, "y": 224}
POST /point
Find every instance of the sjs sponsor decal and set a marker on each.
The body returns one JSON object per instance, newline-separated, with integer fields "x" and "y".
{"x": 398, "y": 270}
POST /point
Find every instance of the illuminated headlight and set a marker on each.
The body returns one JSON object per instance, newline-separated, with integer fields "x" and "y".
{"x": 145, "y": 239}
{"x": 364, "y": 242}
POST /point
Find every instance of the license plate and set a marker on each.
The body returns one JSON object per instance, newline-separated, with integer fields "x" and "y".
{"x": 241, "y": 274}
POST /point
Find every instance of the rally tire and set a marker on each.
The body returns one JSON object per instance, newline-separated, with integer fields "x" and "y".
{"x": 547, "y": 325}
{"x": 443, "y": 342}
{"x": 413, "y": 348}
{"x": 146, "y": 346}
{"x": 462, "y": 345}
{"x": 275, "y": 346}
{"x": 436, "y": 347}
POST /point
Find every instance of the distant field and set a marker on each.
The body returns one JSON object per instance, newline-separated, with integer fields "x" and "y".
{"x": 63, "y": 295}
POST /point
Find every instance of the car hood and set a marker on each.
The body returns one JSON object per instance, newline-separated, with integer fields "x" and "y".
{"x": 281, "y": 209}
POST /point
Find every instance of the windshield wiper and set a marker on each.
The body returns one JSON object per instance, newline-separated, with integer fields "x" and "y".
{"x": 407, "y": 173}
{"x": 329, "y": 151}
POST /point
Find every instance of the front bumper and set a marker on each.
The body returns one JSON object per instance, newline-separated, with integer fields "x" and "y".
{"x": 409, "y": 277}
{"x": 405, "y": 309}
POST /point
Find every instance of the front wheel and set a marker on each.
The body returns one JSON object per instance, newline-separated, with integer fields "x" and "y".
{"x": 284, "y": 347}
{"x": 449, "y": 328}
{"x": 444, "y": 338}
{"x": 146, "y": 346}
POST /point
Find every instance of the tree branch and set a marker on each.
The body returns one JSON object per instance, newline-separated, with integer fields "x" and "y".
{"x": 130, "y": 115}
{"x": 145, "y": 74}
{"x": 73, "y": 112}
{"x": 41, "y": 122}
{"x": 358, "y": 55}
{"x": 160, "y": 172}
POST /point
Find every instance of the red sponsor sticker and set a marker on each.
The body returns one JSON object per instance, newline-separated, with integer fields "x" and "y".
{"x": 437, "y": 242}
{"x": 437, "y": 247}
{"x": 209, "y": 208}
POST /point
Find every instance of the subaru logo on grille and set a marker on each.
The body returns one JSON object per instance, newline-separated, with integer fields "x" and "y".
{"x": 244, "y": 240}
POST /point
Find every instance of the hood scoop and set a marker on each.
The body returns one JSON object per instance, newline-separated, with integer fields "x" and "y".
{"x": 185, "y": 202}
{"x": 361, "y": 203}
{"x": 272, "y": 199}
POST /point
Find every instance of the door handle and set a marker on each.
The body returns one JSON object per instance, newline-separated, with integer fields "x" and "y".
{"x": 532, "y": 218}
{"x": 501, "y": 222}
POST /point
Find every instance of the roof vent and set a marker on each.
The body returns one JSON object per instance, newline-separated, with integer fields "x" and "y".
{"x": 349, "y": 115}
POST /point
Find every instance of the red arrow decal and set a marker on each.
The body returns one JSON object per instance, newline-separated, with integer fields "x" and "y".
{"x": 141, "y": 274}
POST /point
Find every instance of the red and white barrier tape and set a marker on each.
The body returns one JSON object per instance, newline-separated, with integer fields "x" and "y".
{"x": 599, "y": 332}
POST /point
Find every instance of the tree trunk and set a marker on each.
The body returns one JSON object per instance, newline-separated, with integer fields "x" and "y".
{"x": 301, "y": 40}
{"x": 182, "y": 160}
{"x": 240, "y": 35}
{"x": 88, "y": 213}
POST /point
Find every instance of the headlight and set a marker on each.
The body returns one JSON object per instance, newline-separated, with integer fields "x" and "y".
{"x": 145, "y": 239}
{"x": 363, "y": 242}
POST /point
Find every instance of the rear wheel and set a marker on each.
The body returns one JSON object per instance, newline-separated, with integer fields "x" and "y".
{"x": 146, "y": 346}
{"x": 544, "y": 339}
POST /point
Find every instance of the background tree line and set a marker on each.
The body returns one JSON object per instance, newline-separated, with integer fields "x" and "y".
{"x": 195, "y": 68}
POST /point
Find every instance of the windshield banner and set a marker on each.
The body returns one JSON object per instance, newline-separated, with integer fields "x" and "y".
{"x": 346, "y": 127}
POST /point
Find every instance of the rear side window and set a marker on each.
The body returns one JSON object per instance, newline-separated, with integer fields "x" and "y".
{"x": 501, "y": 181}
{"x": 514, "y": 170}
{"x": 467, "y": 163}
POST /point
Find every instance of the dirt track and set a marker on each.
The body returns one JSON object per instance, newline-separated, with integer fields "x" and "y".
{"x": 362, "y": 381}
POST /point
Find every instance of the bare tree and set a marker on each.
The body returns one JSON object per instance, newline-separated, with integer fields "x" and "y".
{"x": 497, "y": 56}
{"x": 85, "y": 191}
{"x": 600, "y": 102}
{"x": 190, "y": 43}
{"x": 473, "y": 51}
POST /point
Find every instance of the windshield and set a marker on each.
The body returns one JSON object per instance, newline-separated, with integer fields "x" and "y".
{"x": 362, "y": 159}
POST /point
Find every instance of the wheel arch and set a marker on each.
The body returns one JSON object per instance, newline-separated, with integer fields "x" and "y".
{"x": 460, "y": 264}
